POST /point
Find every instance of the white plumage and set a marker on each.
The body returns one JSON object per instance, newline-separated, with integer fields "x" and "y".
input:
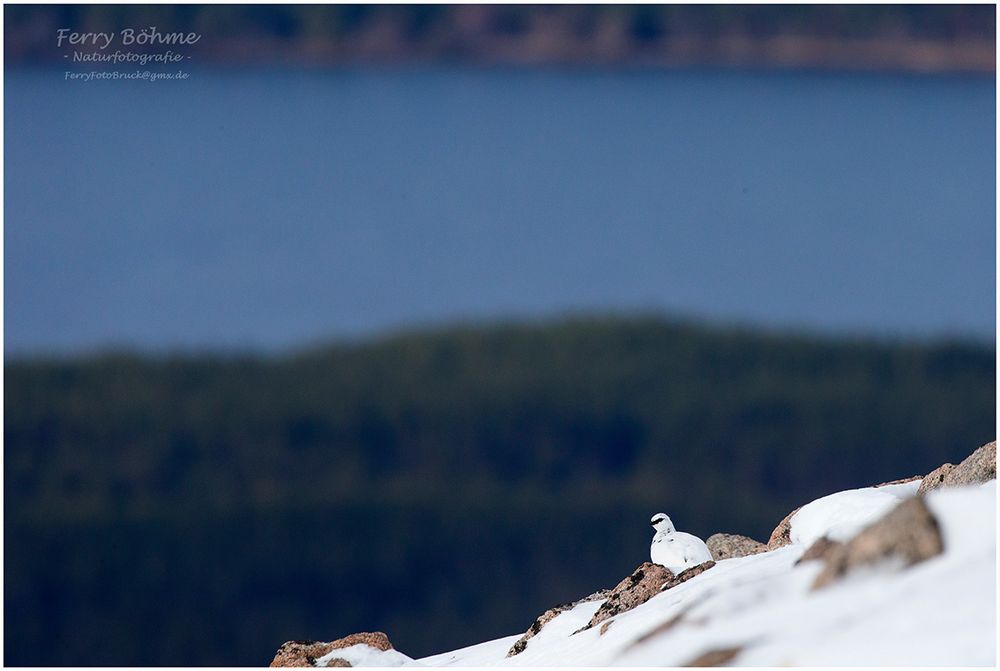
{"x": 674, "y": 549}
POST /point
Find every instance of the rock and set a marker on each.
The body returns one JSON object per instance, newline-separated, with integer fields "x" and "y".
{"x": 901, "y": 481}
{"x": 605, "y": 627}
{"x": 374, "y": 639}
{"x": 781, "y": 536}
{"x": 728, "y": 546}
{"x": 909, "y": 533}
{"x": 820, "y": 549}
{"x": 687, "y": 574}
{"x": 305, "y": 653}
{"x": 717, "y": 657}
{"x": 935, "y": 478}
{"x": 299, "y": 653}
{"x": 980, "y": 466}
{"x": 536, "y": 626}
{"x": 547, "y": 617}
{"x": 643, "y": 584}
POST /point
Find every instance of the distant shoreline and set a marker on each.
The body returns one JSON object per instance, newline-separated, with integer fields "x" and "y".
{"x": 737, "y": 53}
{"x": 779, "y": 53}
{"x": 901, "y": 38}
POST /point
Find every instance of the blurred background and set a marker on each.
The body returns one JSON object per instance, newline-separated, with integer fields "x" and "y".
{"x": 407, "y": 318}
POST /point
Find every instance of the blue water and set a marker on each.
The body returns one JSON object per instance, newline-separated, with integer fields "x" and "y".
{"x": 267, "y": 209}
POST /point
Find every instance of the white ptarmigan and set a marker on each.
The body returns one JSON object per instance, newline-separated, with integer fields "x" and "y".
{"x": 674, "y": 549}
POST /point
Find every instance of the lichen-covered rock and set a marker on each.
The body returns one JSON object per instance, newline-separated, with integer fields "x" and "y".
{"x": 980, "y": 466}
{"x": 687, "y": 574}
{"x": 909, "y": 534}
{"x": 299, "y": 653}
{"x": 935, "y": 478}
{"x": 781, "y": 536}
{"x": 374, "y": 639}
{"x": 728, "y": 546}
{"x": 305, "y": 653}
{"x": 643, "y": 584}
{"x": 547, "y": 617}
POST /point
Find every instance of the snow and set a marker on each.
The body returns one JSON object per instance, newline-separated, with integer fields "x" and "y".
{"x": 480, "y": 654}
{"x": 365, "y": 655}
{"x": 961, "y": 521}
{"x": 939, "y": 612}
{"x": 840, "y": 516}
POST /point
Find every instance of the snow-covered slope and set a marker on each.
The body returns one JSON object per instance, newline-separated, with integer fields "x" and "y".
{"x": 911, "y": 581}
{"x": 760, "y": 610}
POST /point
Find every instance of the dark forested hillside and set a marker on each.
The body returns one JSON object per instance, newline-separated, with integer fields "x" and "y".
{"x": 441, "y": 486}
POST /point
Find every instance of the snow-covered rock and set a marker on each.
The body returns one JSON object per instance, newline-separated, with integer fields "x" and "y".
{"x": 363, "y": 655}
{"x": 842, "y": 515}
{"x": 908, "y": 535}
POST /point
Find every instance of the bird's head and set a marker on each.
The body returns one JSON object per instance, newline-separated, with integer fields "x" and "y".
{"x": 662, "y": 523}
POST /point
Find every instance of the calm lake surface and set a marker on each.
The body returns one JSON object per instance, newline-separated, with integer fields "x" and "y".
{"x": 268, "y": 209}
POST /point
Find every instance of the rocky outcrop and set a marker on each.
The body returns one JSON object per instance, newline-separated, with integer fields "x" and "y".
{"x": 645, "y": 582}
{"x": 547, "y": 617}
{"x": 682, "y": 577}
{"x": 909, "y": 533}
{"x": 642, "y": 585}
{"x": 305, "y": 653}
{"x": 728, "y": 546}
{"x": 781, "y": 536}
{"x": 980, "y": 466}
